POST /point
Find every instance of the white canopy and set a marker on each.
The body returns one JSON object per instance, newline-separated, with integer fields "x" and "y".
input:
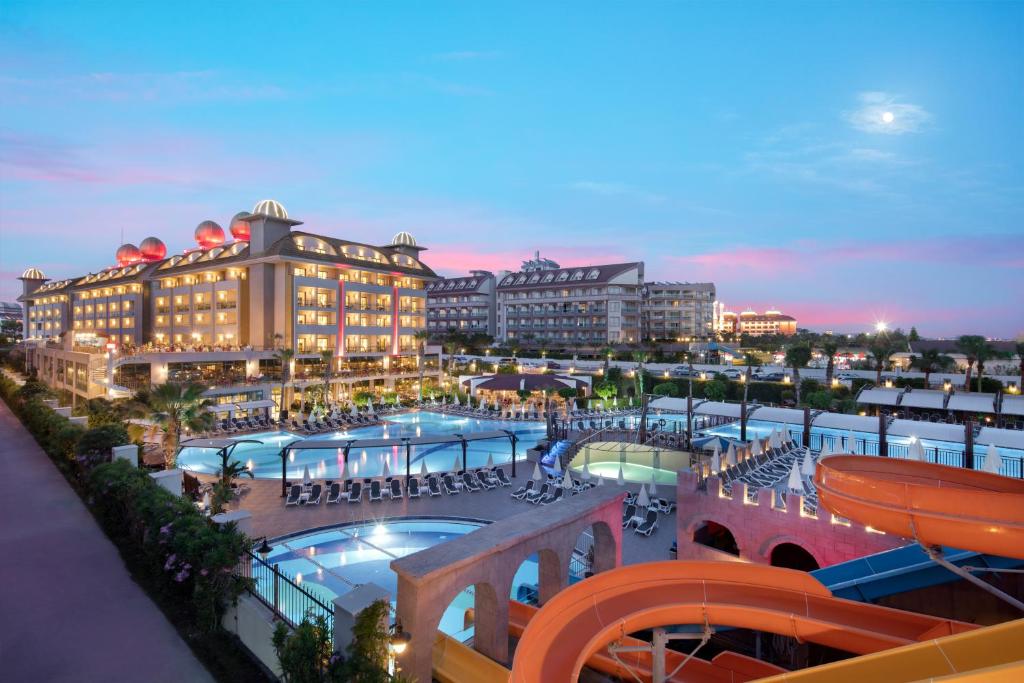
{"x": 973, "y": 403}
{"x": 936, "y": 431}
{"x": 1004, "y": 438}
{"x": 1013, "y": 405}
{"x": 879, "y": 396}
{"x": 924, "y": 398}
{"x": 993, "y": 460}
{"x": 770, "y": 414}
{"x": 717, "y": 408}
{"x": 861, "y": 423}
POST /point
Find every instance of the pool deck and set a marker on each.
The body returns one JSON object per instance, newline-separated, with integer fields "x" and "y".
{"x": 271, "y": 518}
{"x": 71, "y": 610}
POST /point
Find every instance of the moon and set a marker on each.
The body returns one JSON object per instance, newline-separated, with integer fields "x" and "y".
{"x": 888, "y": 117}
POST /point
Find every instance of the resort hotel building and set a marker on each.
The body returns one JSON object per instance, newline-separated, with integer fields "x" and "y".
{"x": 679, "y": 310}
{"x": 755, "y": 324}
{"x": 466, "y": 304}
{"x": 219, "y": 312}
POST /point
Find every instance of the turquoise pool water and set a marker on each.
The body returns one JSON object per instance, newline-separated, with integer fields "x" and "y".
{"x": 631, "y": 472}
{"x": 331, "y": 562}
{"x": 263, "y": 458}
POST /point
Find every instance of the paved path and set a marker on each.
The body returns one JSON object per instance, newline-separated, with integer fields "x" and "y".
{"x": 69, "y": 610}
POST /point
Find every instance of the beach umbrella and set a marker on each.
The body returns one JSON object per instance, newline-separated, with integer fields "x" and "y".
{"x": 730, "y": 456}
{"x": 716, "y": 462}
{"x": 600, "y": 480}
{"x": 826, "y": 449}
{"x": 455, "y": 400}
{"x": 993, "y": 461}
{"x": 557, "y": 465}
{"x": 490, "y": 460}
{"x": 385, "y": 469}
{"x": 851, "y": 442}
{"x": 353, "y": 411}
{"x": 654, "y": 482}
{"x": 774, "y": 440}
{"x": 567, "y": 480}
{"x": 369, "y": 405}
{"x": 444, "y": 399}
{"x": 915, "y": 451}
{"x": 621, "y": 480}
{"x": 643, "y": 500}
{"x": 423, "y": 469}
{"x": 457, "y": 465}
{"x": 537, "y": 476}
{"x": 586, "y": 471}
{"x": 807, "y": 468}
{"x": 755, "y": 447}
{"x": 306, "y": 479}
{"x": 206, "y": 500}
{"x": 786, "y": 437}
{"x": 796, "y": 483}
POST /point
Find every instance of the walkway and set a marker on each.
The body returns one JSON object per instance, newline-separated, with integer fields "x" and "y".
{"x": 71, "y": 611}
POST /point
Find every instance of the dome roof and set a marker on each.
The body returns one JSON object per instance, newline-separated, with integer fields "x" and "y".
{"x": 209, "y": 235}
{"x": 270, "y": 207}
{"x": 128, "y": 254}
{"x": 403, "y": 239}
{"x": 239, "y": 228}
{"x": 152, "y": 249}
{"x": 33, "y": 274}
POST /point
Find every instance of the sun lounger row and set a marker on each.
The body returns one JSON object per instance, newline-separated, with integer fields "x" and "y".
{"x": 351, "y": 490}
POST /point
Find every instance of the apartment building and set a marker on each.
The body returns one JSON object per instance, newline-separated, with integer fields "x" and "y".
{"x": 679, "y": 310}
{"x": 591, "y": 305}
{"x": 218, "y": 312}
{"x": 466, "y": 304}
{"x": 756, "y": 324}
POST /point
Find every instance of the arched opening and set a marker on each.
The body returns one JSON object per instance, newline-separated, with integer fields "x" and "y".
{"x": 714, "y": 535}
{"x": 581, "y": 562}
{"x": 459, "y": 619}
{"x": 792, "y": 556}
{"x": 538, "y": 578}
{"x": 605, "y": 552}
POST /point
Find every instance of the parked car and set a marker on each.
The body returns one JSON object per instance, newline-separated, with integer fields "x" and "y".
{"x": 683, "y": 371}
{"x": 846, "y": 377}
{"x": 506, "y": 361}
{"x": 461, "y": 359}
{"x": 552, "y": 365}
{"x": 732, "y": 373}
{"x": 772, "y": 377}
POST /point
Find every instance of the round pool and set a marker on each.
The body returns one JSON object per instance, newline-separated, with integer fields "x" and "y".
{"x": 261, "y": 452}
{"x": 331, "y": 562}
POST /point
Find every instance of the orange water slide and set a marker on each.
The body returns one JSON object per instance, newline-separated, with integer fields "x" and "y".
{"x": 933, "y": 504}
{"x": 581, "y": 620}
{"x": 726, "y": 667}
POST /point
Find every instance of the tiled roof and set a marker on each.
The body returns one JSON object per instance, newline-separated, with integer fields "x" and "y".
{"x": 565, "y": 276}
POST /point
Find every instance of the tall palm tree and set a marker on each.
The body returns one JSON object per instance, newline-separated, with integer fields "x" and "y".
{"x": 640, "y": 357}
{"x": 177, "y": 407}
{"x": 977, "y": 349}
{"x": 606, "y": 352}
{"x": 327, "y": 357}
{"x": 830, "y": 347}
{"x": 285, "y": 356}
{"x": 750, "y": 360}
{"x": 881, "y": 348}
{"x": 930, "y": 361}
{"x": 798, "y": 356}
{"x": 421, "y": 337}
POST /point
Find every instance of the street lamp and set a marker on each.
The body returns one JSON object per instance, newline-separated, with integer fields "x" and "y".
{"x": 399, "y": 638}
{"x": 264, "y": 550}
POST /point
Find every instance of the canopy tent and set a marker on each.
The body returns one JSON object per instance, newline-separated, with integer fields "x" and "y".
{"x": 1004, "y": 438}
{"x": 936, "y": 431}
{"x": 860, "y": 423}
{"x": 770, "y": 414}
{"x": 1013, "y": 405}
{"x": 879, "y": 396}
{"x": 717, "y": 408}
{"x": 972, "y": 403}
{"x": 924, "y": 398}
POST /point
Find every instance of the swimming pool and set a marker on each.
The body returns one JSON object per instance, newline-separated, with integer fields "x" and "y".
{"x": 264, "y": 461}
{"x": 331, "y": 562}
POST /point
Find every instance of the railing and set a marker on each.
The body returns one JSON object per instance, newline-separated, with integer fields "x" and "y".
{"x": 282, "y": 594}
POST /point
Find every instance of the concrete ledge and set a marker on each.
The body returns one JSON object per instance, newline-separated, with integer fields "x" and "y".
{"x": 129, "y": 452}
{"x": 241, "y": 518}
{"x": 172, "y": 480}
{"x": 254, "y": 624}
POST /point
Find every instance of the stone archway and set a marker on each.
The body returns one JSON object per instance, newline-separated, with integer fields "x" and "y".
{"x": 716, "y": 535}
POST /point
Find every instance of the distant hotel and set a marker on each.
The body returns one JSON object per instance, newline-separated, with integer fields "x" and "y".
{"x": 217, "y": 312}
{"x": 755, "y": 324}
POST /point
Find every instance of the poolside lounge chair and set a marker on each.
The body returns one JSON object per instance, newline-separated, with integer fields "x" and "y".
{"x": 433, "y": 486}
{"x": 413, "y": 487}
{"x": 664, "y": 505}
{"x": 469, "y": 481}
{"x": 449, "y": 485}
{"x": 502, "y": 478}
{"x": 314, "y": 495}
{"x": 484, "y": 480}
{"x": 534, "y": 496}
{"x": 627, "y": 515}
{"x": 649, "y": 524}
{"x": 553, "y": 496}
{"x": 293, "y": 496}
{"x": 334, "y": 494}
{"x": 522, "y": 491}
{"x": 355, "y": 494}
{"x": 396, "y": 489}
{"x": 375, "y": 494}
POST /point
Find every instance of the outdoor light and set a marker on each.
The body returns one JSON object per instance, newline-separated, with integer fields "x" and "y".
{"x": 264, "y": 550}
{"x": 947, "y": 385}
{"x": 399, "y": 638}
{"x": 881, "y": 326}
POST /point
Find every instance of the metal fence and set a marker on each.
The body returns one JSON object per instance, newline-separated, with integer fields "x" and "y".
{"x": 284, "y": 594}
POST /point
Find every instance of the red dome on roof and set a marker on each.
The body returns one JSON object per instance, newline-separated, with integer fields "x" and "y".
{"x": 240, "y": 228}
{"x": 128, "y": 254}
{"x": 209, "y": 235}
{"x": 152, "y": 249}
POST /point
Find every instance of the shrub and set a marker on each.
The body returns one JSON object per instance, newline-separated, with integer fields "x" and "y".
{"x": 98, "y": 441}
{"x": 715, "y": 390}
{"x": 820, "y": 400}
{"x": 568, "y": 393}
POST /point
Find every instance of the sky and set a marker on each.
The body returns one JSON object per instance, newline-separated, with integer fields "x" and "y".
{"x": 745, "y": 144}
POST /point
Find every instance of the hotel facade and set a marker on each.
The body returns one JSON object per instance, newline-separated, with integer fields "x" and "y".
{"x": 679, "y": 310}
{"x": 218, "y": 314}
{"x": 466, "y": 304}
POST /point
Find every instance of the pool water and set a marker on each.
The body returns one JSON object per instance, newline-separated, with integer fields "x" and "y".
{"x": 264, "y": 461}
{"x": 331, "y": 562}
{"x": 631, "y": 472}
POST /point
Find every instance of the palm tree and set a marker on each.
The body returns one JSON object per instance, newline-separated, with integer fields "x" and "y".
{"x": 228, "y": 472}
{"x": 285, "y": 357}
{"x": 607, "y": 352}
{"x": 798, "y": 356}
{"x": 640, "y": 357}
{"x": 976, "y": 348}
{"x": 930, "y": 361}
{"x": 177, "y": 407}
{"x": 327, "y": 357}
{"x": 881, "y": 348}
{"x": 830, "y": 347}
{"x": 750, "y": 360}
{"x": 422, "y": 336}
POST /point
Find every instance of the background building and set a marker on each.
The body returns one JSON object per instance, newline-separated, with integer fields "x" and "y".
{"x": 756, "y": 324}
{"x": 676, "y": 310}
{"x": 467, "y": 304}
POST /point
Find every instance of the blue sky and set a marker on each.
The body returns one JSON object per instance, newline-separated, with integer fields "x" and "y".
{"x": 741, "y": 143}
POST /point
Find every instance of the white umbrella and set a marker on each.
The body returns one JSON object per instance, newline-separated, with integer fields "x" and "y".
{"x": 490, "y": 460}
{"x": 369, "y": 405}
{"x": 385, "y": 470}
{"x": 826, "y": 449}
{"x": 775, "y": 441}
{"x": 807, "y": 468}
{"x": 455, "y": 400}
{"x": 586, "y": 471}
{"x": 457, "y": 465}
{"x": 796, "y": 483}
{"x": 915, "y": 451}
{"x": 537, "y": 476}
{"x": 444, "y": 399}
{"x": 353, "y": 411}
{"x": 851, "y": 442}
{"x": 654, "y": 483}
{"x": 643, "y": 500}
{"x": 621, "y": 480}
{"x": 423, "y": 469}
{"x": 567, "y": 480}
{"x": 600, "y": 480}
{"x": 755, "y": 447}
{"x": 993, "y": 461}
{"x": 206, "y": 500}
{"x": 557, "y": 465}
{"x": 306, "y": 479}
{"x": 716, "y": 462}
{"x": 730, "y": 456}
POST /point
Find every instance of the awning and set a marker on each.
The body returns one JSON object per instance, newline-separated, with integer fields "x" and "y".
{"x": 1003, "y": 438}
{"x": 1013, "y": 405}
{"x": 936, "y": 431}
{"x": 787, "y": 415}
{"x": 973, "y": 403}
{"x": 879, "y": 397}
{"x": 669, "y": 403}
{"x": 718, "y": 408}
{"x": 924, "y": 398}
{"x": 857, "y": 423}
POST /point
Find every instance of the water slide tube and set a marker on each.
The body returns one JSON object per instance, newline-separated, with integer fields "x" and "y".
{"x": 932, "y": 504}
{"x": 582, "y": 619}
